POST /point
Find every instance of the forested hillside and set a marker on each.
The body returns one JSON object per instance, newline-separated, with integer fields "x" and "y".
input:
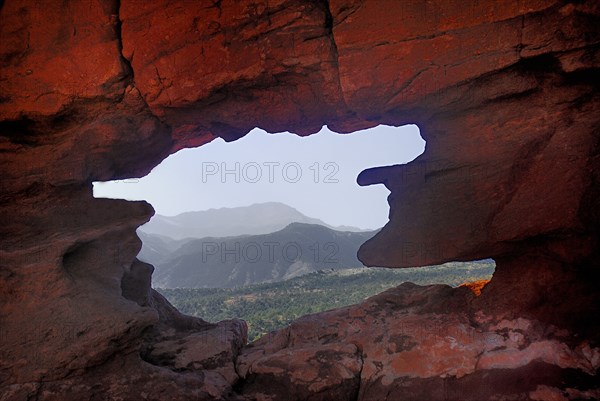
{"x": 295, "y": 250}
{"x": 267, "y": 307}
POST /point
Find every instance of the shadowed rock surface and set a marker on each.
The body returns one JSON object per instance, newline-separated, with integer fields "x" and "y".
{"x": 505, "y": 94}
{"x": 415, "y": 343}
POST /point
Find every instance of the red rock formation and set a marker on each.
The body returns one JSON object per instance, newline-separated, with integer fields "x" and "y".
{"x": 415, "y": 343}
{"x": 476, "y": 286}
{"x": 505, "y": 93}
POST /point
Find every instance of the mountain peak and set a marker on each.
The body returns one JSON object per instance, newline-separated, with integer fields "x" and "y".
{"x": 253, "y": 206}
{"x": 258, "y": 218}
{"x": 296, "y": 249}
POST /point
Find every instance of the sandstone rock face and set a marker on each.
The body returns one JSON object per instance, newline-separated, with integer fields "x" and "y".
{"x": 405, "y": 344}
{"x": 505, "y": 93}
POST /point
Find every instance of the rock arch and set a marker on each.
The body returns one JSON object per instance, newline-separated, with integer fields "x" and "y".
{"x": 506, "y": 96}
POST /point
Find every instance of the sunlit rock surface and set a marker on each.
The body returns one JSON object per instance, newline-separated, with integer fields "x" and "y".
{"x": 505, "y": 93}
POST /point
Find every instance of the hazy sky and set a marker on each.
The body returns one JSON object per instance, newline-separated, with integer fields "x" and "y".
{"x": 315, "y": 174}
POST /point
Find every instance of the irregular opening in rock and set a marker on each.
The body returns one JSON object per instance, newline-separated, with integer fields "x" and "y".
{"x": 266, "y": 228}
{"x": 316, "y": 175}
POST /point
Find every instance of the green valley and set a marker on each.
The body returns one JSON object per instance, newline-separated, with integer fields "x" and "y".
{"x": 270, "y": 306}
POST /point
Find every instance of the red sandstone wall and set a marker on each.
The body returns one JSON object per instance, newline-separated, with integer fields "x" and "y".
{"x": 505, "y": 93}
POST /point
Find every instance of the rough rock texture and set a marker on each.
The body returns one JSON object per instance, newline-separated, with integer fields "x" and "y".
{"x": 505, "y": 93}
{"x": 417, "y": 343}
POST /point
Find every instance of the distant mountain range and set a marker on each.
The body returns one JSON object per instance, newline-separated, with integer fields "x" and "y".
{"x": 231, "y": 247}
{"x": 156, "y": 248}
{"x": 260, "y": 218}
{"x": 211, "y": 262}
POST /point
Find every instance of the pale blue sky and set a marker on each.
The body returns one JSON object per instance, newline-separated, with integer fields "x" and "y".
{"x": 314, "y": 174}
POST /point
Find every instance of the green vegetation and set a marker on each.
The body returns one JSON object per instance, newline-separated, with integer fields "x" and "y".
{"x": 271, "y": 306}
